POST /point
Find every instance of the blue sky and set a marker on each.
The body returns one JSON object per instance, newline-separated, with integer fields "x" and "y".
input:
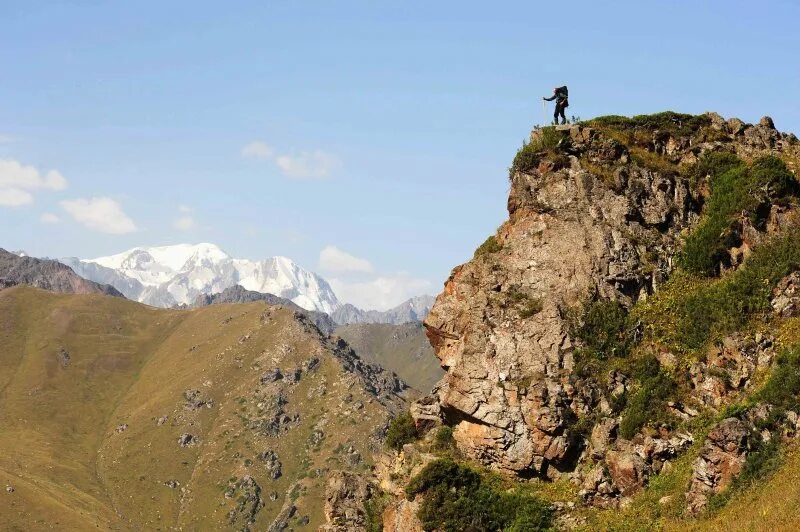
{"x": 380, "y": 131}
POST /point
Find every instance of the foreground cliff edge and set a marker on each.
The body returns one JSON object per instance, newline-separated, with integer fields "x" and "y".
{"x": 626, "y": 340}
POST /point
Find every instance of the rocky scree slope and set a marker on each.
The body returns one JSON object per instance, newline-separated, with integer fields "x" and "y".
{"x": 119, "y": 415}
{"x": 610, "y": 219}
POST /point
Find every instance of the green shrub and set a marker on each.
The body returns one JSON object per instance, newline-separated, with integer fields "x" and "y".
{"x": 373, "y": 509}
{"x": 526, "y": 305}
{"x": 402, "y": 430}
{"x": 648, "y": 403}
{"x": 735, "y": 188}
{"x": 457, "y": 497}
{"x": 443, "y": 440}
{"x": 490, "y": 245}
{"x": 783, "y": 385}
{"x": 674, "y": 123}
{"x": 604, "y": 329}
{"x": 727, "y": 304}
{"x": 531, "y": 153}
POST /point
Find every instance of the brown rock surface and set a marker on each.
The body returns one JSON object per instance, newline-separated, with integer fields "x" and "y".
{"x": 599, "y": 219}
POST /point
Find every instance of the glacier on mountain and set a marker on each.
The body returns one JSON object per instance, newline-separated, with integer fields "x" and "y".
{"x": 171, "y": 275}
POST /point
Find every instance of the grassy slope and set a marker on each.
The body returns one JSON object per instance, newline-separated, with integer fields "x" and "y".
{"x": 131, "y": 364}
{"x": 403, "y": 349}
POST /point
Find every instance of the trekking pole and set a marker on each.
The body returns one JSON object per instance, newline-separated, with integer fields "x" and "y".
{"x": 544, "y": 114}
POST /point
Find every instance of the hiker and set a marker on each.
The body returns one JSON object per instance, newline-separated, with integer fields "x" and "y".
{"x": 561, "y": 96}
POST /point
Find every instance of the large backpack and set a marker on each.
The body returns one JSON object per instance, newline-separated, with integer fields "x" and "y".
{"x": 563, "y": 92}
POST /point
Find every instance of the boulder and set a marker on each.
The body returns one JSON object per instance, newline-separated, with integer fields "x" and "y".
{"x": 345, "y": 495}
{"x": 786, "y": 296}
{"x": 721, "y": 459}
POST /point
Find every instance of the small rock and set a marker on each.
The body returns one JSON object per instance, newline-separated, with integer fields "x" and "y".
{"x": 172, "y": 484}
{"x": 162, "y": 420}
{"x": 186, "y": 440}
{"x": 122, "y": 428}
{"x": 10, "y": 489}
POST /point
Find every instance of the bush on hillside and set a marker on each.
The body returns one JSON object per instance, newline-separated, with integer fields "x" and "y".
{"x": 604, "y": 330}
{"x": 490, "y": 245}
{"x": 735, "y": 189}
{"x": 531, "y": 153}
{"x": 402, "y": 430}
{"x": 456, "y": 497}
{"x": 649, "y": 403}
{"x": 727, "y": 304}
{"x": 675, "y": 123}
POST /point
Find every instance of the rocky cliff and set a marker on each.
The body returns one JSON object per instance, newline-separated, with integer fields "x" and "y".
{"x": 644, "y": 219}
{"x": 600, "y": 216}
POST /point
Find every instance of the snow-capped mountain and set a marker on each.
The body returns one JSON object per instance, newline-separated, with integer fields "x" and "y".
{"x": 169, "y": 275}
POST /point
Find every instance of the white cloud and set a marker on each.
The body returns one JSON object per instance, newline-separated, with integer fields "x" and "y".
{"x": 49, "y": 218}
{"x": 18, "y": 181}
{"x": 5, "y": 139}
{"x": 14, "y": 197}
{"x": 16, "y": 175}
{"x": 307, "y": 164}
{"x": 334, "y": 260}
{"x": 100, "y": 214}
{"x": 314, "y": 164}
{"x": 258, "y": 150}
{"x": 381, "y": 293}
{"x": 184, "y": 223}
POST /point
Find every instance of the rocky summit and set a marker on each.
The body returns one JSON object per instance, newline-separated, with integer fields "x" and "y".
{"x": 634, "y": 319}
{"x": 602, "y": 217}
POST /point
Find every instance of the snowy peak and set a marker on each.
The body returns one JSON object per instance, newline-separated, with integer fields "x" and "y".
{"x": 169, "y": 275}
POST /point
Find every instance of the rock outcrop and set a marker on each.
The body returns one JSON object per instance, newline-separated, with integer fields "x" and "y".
{"x": 599, "y": 217}
{"x": 721, "y": 459}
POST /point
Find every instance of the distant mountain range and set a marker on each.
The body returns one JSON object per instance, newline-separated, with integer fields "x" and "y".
{"x": 17, "y": 268}
{"x": 414, "y": 309}
{"x": 172, "y": 275}
{"x": 177, "y": 275}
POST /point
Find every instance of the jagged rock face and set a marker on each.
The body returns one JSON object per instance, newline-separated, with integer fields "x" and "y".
{"x": 729, "y": 367}
{"x": 571, "y": 235}
{"x": 345, "y": 496}
{"x": 598, "y": 222}
{"x": 721, "y": 459}
{"x": 786, "y": 296}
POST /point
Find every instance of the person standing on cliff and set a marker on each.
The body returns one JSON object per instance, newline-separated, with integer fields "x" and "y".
{"x": 561, "y": 96}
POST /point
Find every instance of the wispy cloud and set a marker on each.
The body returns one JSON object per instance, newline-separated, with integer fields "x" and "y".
{"x": 185, "y": 221}
{"x": 14, "y": 197}
{"x": 258, "y": 150}
{"x": 314, "y": 164}
{"x": 49, "y": 218}
{"x": 100, "y": 214}
{"x": 334, "y": 260}
{"x": 18, "y": 182}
